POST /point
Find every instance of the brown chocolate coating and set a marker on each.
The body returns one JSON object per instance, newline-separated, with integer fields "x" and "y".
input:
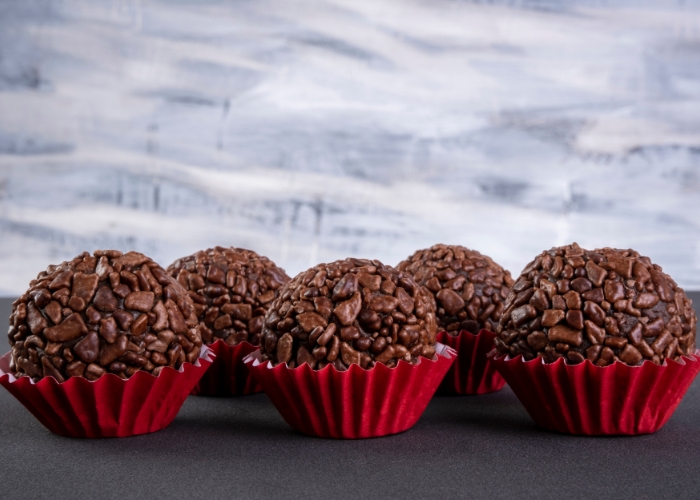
{"x": 232, "y": 289}
{"x": 468, "y": 289}
{"x": 352, "y": 311}
{"x": 603, "y": 305}
{"x": 107, "y": 312}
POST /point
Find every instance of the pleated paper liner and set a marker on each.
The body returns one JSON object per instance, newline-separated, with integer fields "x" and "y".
{"x": 472, "y": 372}
{"x": 228, "y": 375}
{"x": 589, "y": 400}
{"x": 356, "y": 403}
{"x": 109, "y": 406}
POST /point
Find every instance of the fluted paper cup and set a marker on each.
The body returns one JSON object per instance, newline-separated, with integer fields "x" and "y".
{"x": 108, "y": 406}
{"x": 472, "y": 372}
{"x": 356, "y": 403}
{"x": 228, "y": 375}
{"x": 589, "y": 400}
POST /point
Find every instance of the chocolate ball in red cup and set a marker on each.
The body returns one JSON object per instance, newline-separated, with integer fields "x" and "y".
{"x": 106, "y": 345}
{"x": 597, "y": 342}
{"x": 349, "y": 351}
{"x": 468, "y": 290}
{"x": 232, "y": 289}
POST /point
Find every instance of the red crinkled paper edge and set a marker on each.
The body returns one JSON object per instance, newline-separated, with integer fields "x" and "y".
{"x": 589, "y": 400}
{"x": 473, "y": 372}
{"x": 356, "y": 403}
{"x": 108, "y": 406}
{"x": 228, "y": 375}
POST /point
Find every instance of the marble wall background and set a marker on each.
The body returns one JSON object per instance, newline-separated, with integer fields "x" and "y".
{"x": 310, "y": 131}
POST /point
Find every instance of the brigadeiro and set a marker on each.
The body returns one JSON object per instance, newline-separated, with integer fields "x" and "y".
{"x": 604, "y": 305}
{"x": 468, "y": 290}
{"x": 349, "y": 312}
{"x": 104, "y": 318}
{"x": 349, "y": 350}
{"x": 232, "y": 289}
{"x": 609, "y": 329}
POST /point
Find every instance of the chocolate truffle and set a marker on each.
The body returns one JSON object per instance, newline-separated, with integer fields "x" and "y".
{"x": 467, "y": 289}
{"x": 603, "y": 305}
{"x": 353, "y": 311}
{"x": 107, "y": 312}
{"x": 232, "y": 289}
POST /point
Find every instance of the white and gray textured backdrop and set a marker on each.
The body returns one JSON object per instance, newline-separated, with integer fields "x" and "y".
{"x": 310, "y": 131}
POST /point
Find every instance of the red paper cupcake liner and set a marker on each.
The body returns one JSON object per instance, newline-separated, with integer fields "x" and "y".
{"x": 473, "y": 372}
{"x": 356, "y": 403}
{"x": 108, "y": 406}
{"x": 228, "y": 375}
{"x": 589, "y": 400}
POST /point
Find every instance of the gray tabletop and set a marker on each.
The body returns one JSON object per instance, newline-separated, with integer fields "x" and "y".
{"x": 462, "y": 447}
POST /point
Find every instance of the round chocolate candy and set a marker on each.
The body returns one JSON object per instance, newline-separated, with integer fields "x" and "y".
{"x": 232, "y": 289}
{"x": 603, "y": 305}
{"x": 107, "y": 312}
{"x": 468, "y": 289}
{"x": 352, "y": 311}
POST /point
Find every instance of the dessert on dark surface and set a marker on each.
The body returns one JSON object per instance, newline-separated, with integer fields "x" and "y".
{"x": 103, "y": 313}
{"x": 468, "y": 289}
{"x": 351, "y": 311}
{"x": 602, "y": 305}
{"x": 232, "y": 289}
